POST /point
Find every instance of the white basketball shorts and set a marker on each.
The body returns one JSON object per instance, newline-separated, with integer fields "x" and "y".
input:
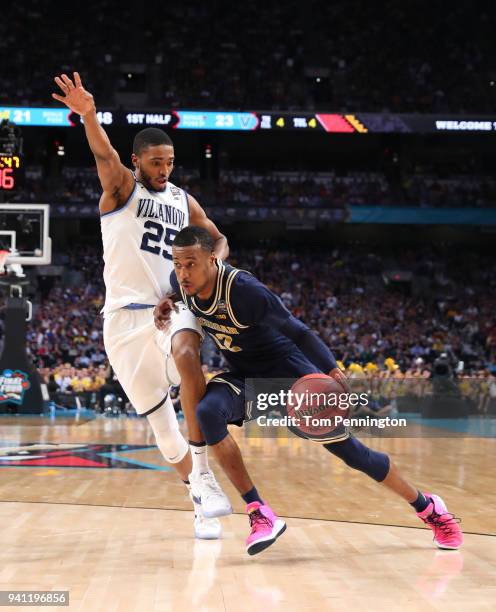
{"x": 141, "y": 355}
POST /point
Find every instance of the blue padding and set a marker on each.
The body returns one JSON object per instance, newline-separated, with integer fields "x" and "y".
{"x": 404, "y": 215}
{"x": 215, "y": 411}
{"x": 138, "y": 306}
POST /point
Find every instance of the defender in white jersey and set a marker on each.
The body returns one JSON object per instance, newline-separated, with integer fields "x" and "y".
{"x": 141, "y": 212}
{"x": 137, "y": 259}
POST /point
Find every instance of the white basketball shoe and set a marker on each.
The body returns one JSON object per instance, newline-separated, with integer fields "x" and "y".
{"x": 207, "y": 492}
{"x": 205, "y": 528}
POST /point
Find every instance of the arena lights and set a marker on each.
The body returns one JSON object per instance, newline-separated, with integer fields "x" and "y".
{"x": 270, "y": 121}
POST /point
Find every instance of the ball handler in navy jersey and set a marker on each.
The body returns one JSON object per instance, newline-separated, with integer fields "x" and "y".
{"x": 260, "y": 338}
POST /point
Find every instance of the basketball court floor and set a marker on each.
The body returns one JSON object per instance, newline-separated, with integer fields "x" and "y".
{"x": 88, "y": 506}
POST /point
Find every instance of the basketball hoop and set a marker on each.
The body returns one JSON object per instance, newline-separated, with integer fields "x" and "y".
{"x": 3, "y": 260}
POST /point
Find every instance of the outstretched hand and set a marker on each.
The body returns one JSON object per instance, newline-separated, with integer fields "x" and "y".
{"x": 162, "y": 313}
{"x": 76, "y": 97}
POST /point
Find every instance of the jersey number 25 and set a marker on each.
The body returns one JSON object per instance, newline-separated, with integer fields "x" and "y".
{"x": 151, "y": 240}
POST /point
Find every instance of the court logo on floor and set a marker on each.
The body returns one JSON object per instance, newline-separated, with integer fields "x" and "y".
{"x": 13, "y": 386}
{"x": 100, "y": 456}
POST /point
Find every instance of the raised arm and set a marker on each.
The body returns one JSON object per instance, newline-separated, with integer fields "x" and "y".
{"x": 198, "y": 217}
{"x": 117, "y": 181}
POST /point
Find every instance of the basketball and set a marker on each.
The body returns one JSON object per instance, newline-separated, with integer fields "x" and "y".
{"x": 314, "y": 403}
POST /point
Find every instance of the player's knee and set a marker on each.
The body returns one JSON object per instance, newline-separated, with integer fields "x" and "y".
{"x": 170, "y": 440}
{"x": 175, "y": 447}
{"x": 359, "y": 457}
{"x": 211, "y": 420}
{"x": 186, "y": 346}
{"x": 206, "y": 414}
{"x": 186, "y": 357}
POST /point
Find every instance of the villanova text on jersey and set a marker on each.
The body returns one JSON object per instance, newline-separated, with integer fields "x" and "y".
{"x": 147, "y": 207}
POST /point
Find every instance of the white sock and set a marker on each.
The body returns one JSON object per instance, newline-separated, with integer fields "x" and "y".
{"x": 199, "y": 457}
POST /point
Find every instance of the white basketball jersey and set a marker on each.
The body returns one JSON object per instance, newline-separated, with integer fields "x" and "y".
{"x": 137, "y": 245}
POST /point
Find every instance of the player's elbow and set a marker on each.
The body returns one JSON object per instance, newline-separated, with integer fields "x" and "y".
{"x": 294, "y": 329}
{"x": 222, "y": 247}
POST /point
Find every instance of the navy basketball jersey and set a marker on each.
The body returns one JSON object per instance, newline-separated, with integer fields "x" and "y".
{"x": 238, "y": 318}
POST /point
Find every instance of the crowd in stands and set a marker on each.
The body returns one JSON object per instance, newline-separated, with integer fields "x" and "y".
{"x": 450, "y": 307}
{"x": 400, "y": 57}
{"x": 456, "y": 191}
{"x": 65, "y": 336}
{"x": 243, "y": 188}
{"x": 374, "y": 330}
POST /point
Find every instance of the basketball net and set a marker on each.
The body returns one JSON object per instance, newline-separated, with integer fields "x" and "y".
{"x": 3, "y": 260}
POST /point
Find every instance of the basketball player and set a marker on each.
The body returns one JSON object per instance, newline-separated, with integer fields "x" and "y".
{"x": 259, "y": 338}
{"x": 141, "y": 212}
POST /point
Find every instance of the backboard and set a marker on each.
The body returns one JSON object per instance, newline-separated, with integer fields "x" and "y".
{"x": 24, "y": 231}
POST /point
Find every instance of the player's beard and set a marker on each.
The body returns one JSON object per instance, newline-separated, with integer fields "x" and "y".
{"x": 147, "y": 181}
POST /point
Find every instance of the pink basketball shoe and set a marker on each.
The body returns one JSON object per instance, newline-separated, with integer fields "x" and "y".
{"x": 447, "y": 531}
{"x": 265, "y": 527}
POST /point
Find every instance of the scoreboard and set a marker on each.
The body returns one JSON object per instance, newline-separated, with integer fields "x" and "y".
{"x": 190, "y": 119}
{"x": 260, "y": 121}
{"x": 11, "y": 167}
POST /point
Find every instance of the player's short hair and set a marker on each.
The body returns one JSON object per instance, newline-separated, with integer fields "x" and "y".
{"x": 150, "y": 137}
{"x": 193, "y": 235}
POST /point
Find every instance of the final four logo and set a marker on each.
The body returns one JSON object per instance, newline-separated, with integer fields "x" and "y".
{"x": 13, "y": 385}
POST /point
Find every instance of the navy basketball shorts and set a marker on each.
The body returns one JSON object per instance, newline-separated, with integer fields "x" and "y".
{"x": 229, "y": 398}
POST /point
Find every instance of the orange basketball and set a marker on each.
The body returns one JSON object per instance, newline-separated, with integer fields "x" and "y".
{"x": 317, "y": 404}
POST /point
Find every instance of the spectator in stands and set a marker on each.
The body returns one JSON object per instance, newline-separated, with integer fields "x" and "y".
{"x": 289, "y": 190}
